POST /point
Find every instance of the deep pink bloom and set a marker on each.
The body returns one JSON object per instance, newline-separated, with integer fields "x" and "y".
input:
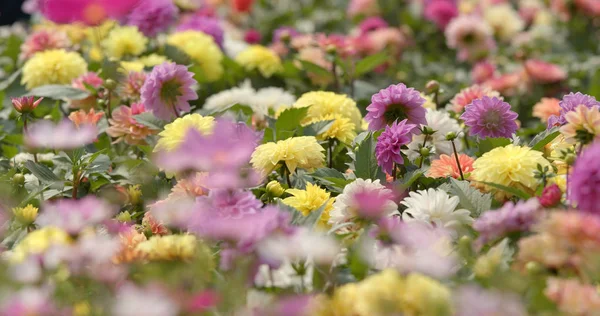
{"x": 583, "y": 187}
{"x": 167, "y": 90}
{"x": 519, "y": 217}
{"x": 372, "y": 24}
{"x": 91, "y": 12}
{"x": 153, "y": 16}
{"x": 390, "y": 142}
{"x": 568, "y": 104}
{"x": 252, "y": 36}
{"x": 441, "y": 12}
{"x": 483, "y": 71}
{"x": 543, "y": 72}
{"x": 202, "y": 301}
{"x": 490, "y": 117}
{"x": 74, "y": 215}
{"x": 550, "y": 196}
{"x": 25, "y": 104}
{"x": 395, "y": 103}
{"x": 64, "y": 135}
{"x": 207, "y": 25}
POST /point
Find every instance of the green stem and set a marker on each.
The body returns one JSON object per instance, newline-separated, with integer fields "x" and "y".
{"x": 462, "y": 177}
{"x": 423, "y": 157}
{"x": 330, "y": 153}
{"x": 394, "y": 172}
{"x": 286, "y": 173}
{"x": 336, "y": 82}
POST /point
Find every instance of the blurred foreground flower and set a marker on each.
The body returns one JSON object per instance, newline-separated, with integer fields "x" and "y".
{"x": 43, "y": 40}
{"x": 65, "y": 135}
{"x": 583, "y": 182}
{"x": 91, "y": 12}
{"x": 152, "y": 16}
{"x": 73, "y": 216}
{"x": 511, "y": 218}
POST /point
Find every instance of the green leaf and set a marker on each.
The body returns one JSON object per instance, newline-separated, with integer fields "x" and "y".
{"x": 365, "y": 164}
{"x": 149, "y": 120}
{"x": 488, "y": 144}
{"x": 59, "y": 92}
{"x": 411, "y": 177}
{"x": 513, "y": 191}
{"x": 6, "y": 83}
{"x": 470, "y": 198}
{"x": 312, "y": 218}
{"x": 177, "y": 55}
{"x": 328, "y": 173}
{"x": 543, "y": 139}
{"x": 290, "y": 119}
{"x": 316, "y": 69}
{"x": 41, "y": 172}
{"x": 317, "y": 128}
{"x": 99, "y": 164}
{"x": 369, "y": 63}
{"x": 234, "y": 108}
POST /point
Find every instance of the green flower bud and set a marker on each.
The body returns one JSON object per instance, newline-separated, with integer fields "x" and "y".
{"x": 275, "y": 189}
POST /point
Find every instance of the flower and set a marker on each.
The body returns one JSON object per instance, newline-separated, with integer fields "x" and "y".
{"x": 351, "y": 203}
{"x": 481, "y": 72}
{"x": 64, "y": 135}
{"x": 504, "y": 20}
{"x": 511, "y": 166}
{"x": 470, "y": 34}
{"x": 152, "y": 16}
{"x": 90, "y": 79}
{"x": 151, "y": 226}
{"x": 124, "y": 41}
{"x": 360, "y": 7}
{"x": 434, "y": 206}
{"x": 581, "y": 187}
{"x": 43, "y": 40}
{"x": 573, "y": 297}
{"x": 257, "y": 57}
{"x": 583, "y": 125}
{"x": 472, "y": 300}
{"x": 441, "y": 12}
{"x": 130, "y": 88}
{"x": 82, "y": 117}
{"x": 308, "y": 244}
{"x": 441, "y": 123}
{"x": 207, "y": 25}
{"x": 202, "y": 49}
{"x": 389, "y": 143}
{"x": 271, "y": 98}
{"x": 152, "y": 301}
{"x": 543, "y": 72}
{"x": 74, "y": 215}
{"x": 28, "y": 300}
{"x": 569, "y": 103}
{"x": 519, "y": 217}
{"x": 551, "y": 196}
{"x": 275, "y": 188}
{"x": 55, "y": 66}
{"x": 323, "y": 103}
{"x": 38, "y": 241}
{"x": 167, "y": 90}
{"x": 25, "y": 104}
{"x": 226, "y": 98}
{"x": 467, "y": 95}
{"x": 425, "y": 296}
{"x": 310, "y": 200}
{"x": 90, "y": 12}
{"x": 446, "y": 166}
{"x": 168, "y": 248}
{"x": 174, "y": 133}
{"x": 396, "y": 102}
{"x": 124, "y": 126}
{"x": 25, "y": 215}
{"x": 227, "y": 203}
{"x": 341, "y": 128}
{"x": 296, "y": 152}
{"x": 490, "y": 117}
{"x": 546, "y": 108}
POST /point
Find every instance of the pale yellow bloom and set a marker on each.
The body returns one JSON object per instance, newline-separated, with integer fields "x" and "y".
{"x": 56, "y": 66}
{"x": 310, "y": 200}
{"x": 174, "y": 133}
{"x": 257, "y": 57}
{"x": 583, "y": 125}
{"x": 341, "y": 128}
{"x": 124, "y": 41}
{"x": 296, "y": 152}
{"x": 170, "y": 247}
{"x": 323, "y": 103}
{"x": 203, "y": 50}
{"x": 38, "y": 241}
{"x": 25, "y": 215}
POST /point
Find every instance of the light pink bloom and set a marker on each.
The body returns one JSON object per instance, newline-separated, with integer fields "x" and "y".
{"x": 543, "y": 72}
{"x": 64, "y": 135}
{"x": 44, "y": 40}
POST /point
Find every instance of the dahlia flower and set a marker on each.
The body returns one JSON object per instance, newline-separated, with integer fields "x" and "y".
{"x": 43, "y": 40}
{"x": 124, "y": 127}
{"x": 573, "y": 297}
{"x": 90, "y": 12}
{"x": 396, "y": 102}
{"x": 25, "y": 215}
{"x": 446, "y": 166}
{"x": 54, "y": 66}
{"x": 507, "y": 84}
{"x": 152, "y": 16}
{"x": 91, "y": 79}
{"x": 130, "y": 88}
{"x": 260, "y": 58}
{"x": 472, "y": 300}
{"x": 583, "y": 125}
{"x": 310, "y": 200}
{"x": 296, "y": 152}
{"x": 468, "y": 32}
{"x": 511, "y": 166}
{"x": 173, "y": 134}
{"x": 568, "y": 104}
{"x": 481, "y": 72}
{"x": 390, "y": 142}
{"x": 551, "y": 195}
{"x": 323, "y": 103}
{"x": 38, "y": 241}
{"x": 350, "y": 204}
{"x": 442, "y": 124}
{"x": 441, "y": 12}
{"x": 168, "y": 90}
{"x": 490, "y": 117}
{"x": 202, "y": 49}
{"x": 74, "y": 215}
{"x": 81, "y": 117}
{"x": 543, "y": 72}
{"x": 504, "y": 20}
{"x": 168, "y": 248}
{"x": 436, "y": 207}
{"x": 207, "y": 25}
{"x": 366, "y": 7}
{"x": 25, "y": 104}
{"x": 519, "y": 217}
{"x": 64, "y": 135}
{"x": 582, "y": 188}
{"x": 124, "y": 41}
{"x": 546, "y": 108}
{"x": 371, "y": 24}
{"x": 341, "y": 128}
{"x": 467, "y": 95}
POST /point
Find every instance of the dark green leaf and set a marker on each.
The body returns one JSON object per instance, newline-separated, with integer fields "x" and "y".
{"x": 177, "y": 55}
{"x": 365, "y": 163}
{"x": 488, "y": 144}
{"x": 316, "y": 69}
{"x": 99, "y": 165}
{"x": 148, "y": 119}
{"x": 369, "y": 63}
{"x": 317, "y": 128}
{"x": 543, "y": 139}
{"x": 59, "y": 92}
{"x": 6, "y": 83}
{"x": 290, "y": 119}
{"x": 513, "y": 191}
{"x": 41, "y": 172}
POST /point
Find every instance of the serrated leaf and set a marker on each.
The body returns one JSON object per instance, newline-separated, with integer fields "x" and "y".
{"x": 317, "y": 128}
{"x": 41, "y": 172}
{"x": 177, "y": 55}
{"x": 513, "y": 191}
{"x": 59, "y": 92}
{"x": 411, "y": 177}
{"x": 469, "y": 197}
{"x": 488, "y": 144}
{"x": 328, "y": 173}
{"x": 234, "y": 108}
{"x": 316, "y": 69}
{"x": 99, "y": 165}
{"x": 148, "y": 119}
{"x": 543, "y": 139}
{"x": 369, "y": 63}
{"x": 365, "y": 164}
{"x": 290, "y": 119}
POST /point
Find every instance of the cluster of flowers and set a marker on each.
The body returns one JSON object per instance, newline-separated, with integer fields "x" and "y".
{"x": 182, "y": 157}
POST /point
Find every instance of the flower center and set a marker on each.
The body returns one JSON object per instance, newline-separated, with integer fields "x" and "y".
{"x": 491, "y": 120}
{"x": 394, "y": 112}
{"x": 170, "y": 91}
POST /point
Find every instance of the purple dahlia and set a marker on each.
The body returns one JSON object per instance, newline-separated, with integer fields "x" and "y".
{"x": 395, "y": 103}
{"x": 568, "y": 104}
{"x": 490, "y": 117}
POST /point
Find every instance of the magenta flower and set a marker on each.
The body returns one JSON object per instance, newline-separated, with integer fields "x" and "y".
{"x": 583, "y": 187}
{"x": 74, "y": 215}
{"x": 153, "y": 16}
{"x": 490, "y": 117}
{"x": 167, "y": 90}
{"x": 390, "y": 142}
{"x": 568, "y": 104}
{"x": 25, "y": 104}
{"x": 519, "y": 217}
{"x": 551, "y": 196}
{"x": 440, "y": 12}
{"x": 372, "y": 24}
{"x": 208, "y": 25}
{"x": 395, "y": 103}
{"x": 227, "y": 203}
{"x": 64, "y": 135}
{"x": 91, "y": 12}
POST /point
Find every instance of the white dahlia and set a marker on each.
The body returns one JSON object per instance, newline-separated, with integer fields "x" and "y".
{"x": 435, "y": 207}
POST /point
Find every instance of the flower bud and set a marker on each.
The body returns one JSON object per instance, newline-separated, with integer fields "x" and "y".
{"x": 432, "y": 86}
{"x": 25, "y": 104}
{"x": 124, "y": 217}
{"x": 451, "y": 136}
{"x": 331, "y": 49}
{"x": 110, "y": 84}
{"x": 424, "y": 152}
{"x": 275, "y": 189}
{"x": 532, "y": 267}
{"x": 551, "y": 196}
{"x": 428, "y": 130}
{"x": 25, "y": 215}
{"x": 570, "y": 159}
{"x": 18, "y": 179}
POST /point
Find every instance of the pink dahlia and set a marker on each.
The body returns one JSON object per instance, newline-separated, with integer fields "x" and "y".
{"x": 467, "y": 95}
{"x": 482, "y": 71}
{"x": 168, "y": 89}
{"x": 25, "y": 104}
{"x": 390, "y": 142}
{"x": 551, "y": 196}
{"x": 124, "y": 127}
{"x": 365, "y": 7}
{"x": 130, "y": 88}
{"x": 506, "y": 84}
{"x": 372, "y": 24}
{"x": 91, "y": 12}
{"x": 471, "y": 36}
{"x": 91, "y": 79}
{"x": 44, "y": 40}
{"x": 396, "y": 103}
{"x": 74, "y": 215}
{"x": 583, "y": 187}
{"x": 543, "y": 72}
{"x": 490, "y": 117}
{"x": 441, "y": 12}
{"x": 153, "y": 16}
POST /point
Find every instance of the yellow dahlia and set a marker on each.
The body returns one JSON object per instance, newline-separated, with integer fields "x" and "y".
{"x": 425, "y": 296}
{"x": 124, "y": 41}
{"x": 38, "y": 241}
{"x": 310, "y": 200}
{"x": 296, "y": 152}
{"x": 202, "y": 49}
{"x": 175, "y": 132}
{"x": 511, "y": 166}
{"x": 152, "y": 60}
{"x": 171, "y": 247}
{"x": 323, "y": 103}
{"x": 341, "y": 128}
{"x": 55, "y": 66}
{"x": 257, "y": 57}
{"x": 25, "y": 215}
